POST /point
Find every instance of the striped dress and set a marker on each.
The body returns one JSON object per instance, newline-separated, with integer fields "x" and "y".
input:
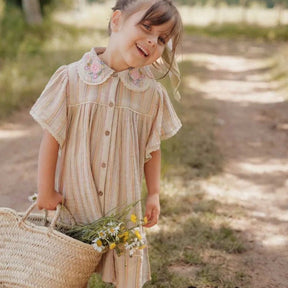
{"x": 106, "y": 124}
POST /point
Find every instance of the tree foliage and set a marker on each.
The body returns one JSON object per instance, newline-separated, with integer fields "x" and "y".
{"x": 265, "y": 3}
{"x": 45, "y": 5}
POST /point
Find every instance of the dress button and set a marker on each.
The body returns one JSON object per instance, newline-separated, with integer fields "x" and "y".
{"x": 107, "y": 133}
{"x": 111, "y": 104}
{"x": 100, "y": 193}
{"x": 103, "y": 165}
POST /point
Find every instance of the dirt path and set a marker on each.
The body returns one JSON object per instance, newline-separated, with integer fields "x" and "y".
{"x": 252, "y": 133}
{"x": 19, "y": 144}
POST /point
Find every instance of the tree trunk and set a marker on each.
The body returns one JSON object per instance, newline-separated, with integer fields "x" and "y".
{"x": 80, "y": 4}
{"x": 32, "y": 11}
{"x": 280, "y": 8}
{"x": 216, "y": 6}
{"x": 243, "y": 4}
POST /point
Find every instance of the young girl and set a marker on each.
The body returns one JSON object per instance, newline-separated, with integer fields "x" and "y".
{"x": 104, "y": 117}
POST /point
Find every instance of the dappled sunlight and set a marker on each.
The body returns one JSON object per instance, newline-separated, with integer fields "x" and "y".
{"x": 275, "y": 240}
{"x": 245, "y": 80}
{"x": 173, "y": 188}
{"x": 259, "y": 166}
{"x": 270, "y": 218}
{"x": 205, "y": 15}
{"x": 95, "y": 16}
{"x": 98, "y": 14}
{"x": 84, "y": 42}
{"x": 155, "y": 229}
{"x": 227, "y": 63}
{"x": 230, "y": 194}
{"x": 13, "y": 134}
{"x": 240, "y": 90}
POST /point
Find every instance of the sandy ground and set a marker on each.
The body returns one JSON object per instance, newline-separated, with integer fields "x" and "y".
{"x": 252, "y": 128}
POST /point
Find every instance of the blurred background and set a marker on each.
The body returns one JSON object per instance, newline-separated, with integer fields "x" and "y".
{"x": 40, "y": 29}
{"x": 224, "y": 181}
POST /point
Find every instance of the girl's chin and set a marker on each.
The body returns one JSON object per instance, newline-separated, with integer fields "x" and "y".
{"x": 136, "y": 62}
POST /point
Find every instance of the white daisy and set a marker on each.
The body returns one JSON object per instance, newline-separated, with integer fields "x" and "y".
{"x": 33, "y": 198}
{"x": 98, "y": 248}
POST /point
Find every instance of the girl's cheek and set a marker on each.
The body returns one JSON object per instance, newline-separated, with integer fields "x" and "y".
{"x": 160, "y": 52}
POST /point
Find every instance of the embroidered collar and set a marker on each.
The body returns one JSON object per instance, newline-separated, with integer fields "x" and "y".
{"x": 92, "y": 70}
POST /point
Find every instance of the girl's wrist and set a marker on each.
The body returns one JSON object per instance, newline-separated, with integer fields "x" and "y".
{"x": 47, "y": 192}
{"x": 153, "y": 193}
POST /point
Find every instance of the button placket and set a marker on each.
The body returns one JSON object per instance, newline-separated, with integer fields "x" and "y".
{"x": 107, "y": 135}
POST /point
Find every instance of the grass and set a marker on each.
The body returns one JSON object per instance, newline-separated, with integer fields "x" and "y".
{"x": 30, "y": 55}
{"x": 192, "y": 240}
{"x": 95, "y": 282}
{"x": 279, "y": 71}
{"x": 194, "y": 150}
{"x": 244, "y": 31}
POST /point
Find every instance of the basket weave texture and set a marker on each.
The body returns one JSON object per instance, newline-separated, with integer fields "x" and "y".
{"x": 34, "y": 256}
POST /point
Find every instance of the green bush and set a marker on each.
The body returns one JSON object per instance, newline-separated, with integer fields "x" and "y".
{"x": 12, "y": 32}
{"x": 26, "y": 64}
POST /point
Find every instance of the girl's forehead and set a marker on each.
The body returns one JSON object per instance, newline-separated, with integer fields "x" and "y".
{"x": 165, "y": 27}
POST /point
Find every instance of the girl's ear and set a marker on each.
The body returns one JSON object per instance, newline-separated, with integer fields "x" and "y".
{"x": 115, "y": 22}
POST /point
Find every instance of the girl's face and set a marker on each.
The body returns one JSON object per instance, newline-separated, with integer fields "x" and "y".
{"x": 138, "y": 45}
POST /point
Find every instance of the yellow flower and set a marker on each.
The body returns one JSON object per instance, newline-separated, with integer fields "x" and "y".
{"x": 99, "y": 243}
{"x": 112, "y": 230}
{"x": 124, "y": 235}
{"x": 145, "y": 220}
{"x": 112, "y": 246}
{"x": 138, "y": 235}
{"x": 133, "y": 218}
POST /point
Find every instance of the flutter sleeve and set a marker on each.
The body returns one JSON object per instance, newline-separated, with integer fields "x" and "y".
{"x": 165, "y": 123}
{"x": 50, "y": 109}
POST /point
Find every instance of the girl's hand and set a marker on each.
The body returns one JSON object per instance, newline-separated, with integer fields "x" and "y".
{"x": 49, "y": 201}
{"x": 152, "y": 210}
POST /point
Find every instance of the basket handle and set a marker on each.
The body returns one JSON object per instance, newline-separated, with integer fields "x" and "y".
{"x": 54, "y": 219}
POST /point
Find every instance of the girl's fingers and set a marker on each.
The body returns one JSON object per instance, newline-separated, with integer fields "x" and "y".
{"x": 152, "y": 220}
{"x": 50, "y": 203}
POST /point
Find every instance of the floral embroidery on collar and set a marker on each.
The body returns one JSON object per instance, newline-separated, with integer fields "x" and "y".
{"x": 136, "y": 75}
{"x": 92, "y": 70}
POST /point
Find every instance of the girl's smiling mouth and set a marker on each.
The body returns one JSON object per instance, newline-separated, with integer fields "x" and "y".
{"x": 142, "y": 50}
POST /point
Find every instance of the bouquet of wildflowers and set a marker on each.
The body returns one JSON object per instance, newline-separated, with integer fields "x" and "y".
{"x": 120, "y": 230}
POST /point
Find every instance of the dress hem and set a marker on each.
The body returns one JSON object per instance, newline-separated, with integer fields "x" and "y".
{"x": 115, "y": 283}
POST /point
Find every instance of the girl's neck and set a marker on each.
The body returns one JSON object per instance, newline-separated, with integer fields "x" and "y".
{"x": 111, "y": 58}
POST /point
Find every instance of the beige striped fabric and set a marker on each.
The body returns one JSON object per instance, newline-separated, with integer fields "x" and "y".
{"x": 106, "y": 124}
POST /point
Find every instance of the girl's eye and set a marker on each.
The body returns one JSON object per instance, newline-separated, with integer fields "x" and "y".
{"x": 162, "y": 40}
{"x": 147, "y": 26}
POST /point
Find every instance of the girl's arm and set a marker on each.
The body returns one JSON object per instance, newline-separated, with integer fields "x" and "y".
{"x": 48, "y": 198}
{"x": 152, "y": 170}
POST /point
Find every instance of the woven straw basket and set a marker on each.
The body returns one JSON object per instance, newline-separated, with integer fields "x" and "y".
{"x": 33, "y": 256}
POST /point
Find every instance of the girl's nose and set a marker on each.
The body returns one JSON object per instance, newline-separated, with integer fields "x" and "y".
{"x": 152, "y": 41}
